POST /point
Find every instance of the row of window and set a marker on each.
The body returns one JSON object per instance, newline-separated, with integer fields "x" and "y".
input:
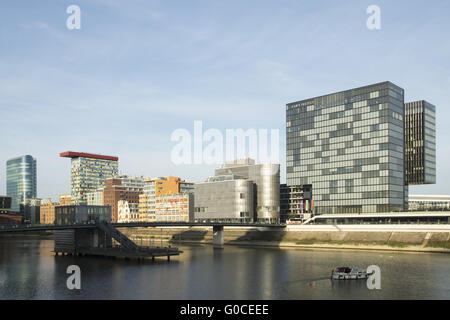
{"x": 384, "y": 180}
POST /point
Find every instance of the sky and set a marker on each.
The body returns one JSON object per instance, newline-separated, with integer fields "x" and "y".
{"x": 138, "y": 70}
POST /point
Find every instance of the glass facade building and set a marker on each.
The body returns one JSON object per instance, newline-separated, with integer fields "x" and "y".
{"x": 21, "y": 182}
{"x": 81, "y": 214}
{"x": 429, "y": 203}
{"x": 226, "y": 198}
{"x": 420, "y": 143}
{"x": 266, "y": 180}
{"x": 349, "y": 146}
{"x": 240, "y": 191}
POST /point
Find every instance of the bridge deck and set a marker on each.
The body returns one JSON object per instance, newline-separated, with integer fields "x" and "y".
{"x": 25, "y": 228}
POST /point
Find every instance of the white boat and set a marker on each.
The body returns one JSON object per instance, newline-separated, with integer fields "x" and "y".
{"x": 348, "y": 273}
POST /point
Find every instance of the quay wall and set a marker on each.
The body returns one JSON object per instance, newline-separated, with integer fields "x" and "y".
{"x": 399, "y": 238}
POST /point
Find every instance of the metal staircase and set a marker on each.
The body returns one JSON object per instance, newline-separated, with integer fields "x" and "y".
{"x": 117, "y": 235}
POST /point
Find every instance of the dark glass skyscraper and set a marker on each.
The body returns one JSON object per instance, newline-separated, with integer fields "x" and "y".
{"x": 420, "y": 143}
{"x": 21, "y": 181}
{"x": 349, "y": 146}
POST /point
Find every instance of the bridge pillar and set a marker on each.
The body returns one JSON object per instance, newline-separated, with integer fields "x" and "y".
{"x": 218, "y": 236}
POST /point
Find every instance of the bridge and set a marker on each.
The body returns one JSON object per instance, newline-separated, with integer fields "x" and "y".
{"x": 94, "y": 236}
{"x": 90, "y": 225}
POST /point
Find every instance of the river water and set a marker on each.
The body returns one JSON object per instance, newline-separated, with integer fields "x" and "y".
{"x": 29, "y": 270}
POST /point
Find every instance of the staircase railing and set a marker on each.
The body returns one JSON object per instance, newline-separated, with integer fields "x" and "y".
{"x": 117, "y": 235}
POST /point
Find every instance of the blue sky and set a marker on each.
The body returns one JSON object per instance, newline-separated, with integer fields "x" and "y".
{"x": 138, "y": 70}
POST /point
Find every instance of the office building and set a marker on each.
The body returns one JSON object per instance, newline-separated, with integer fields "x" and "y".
{"x": 295, "y": 202}
{"x": 266, "y": 180}
{"x": 21, "y": 181}
{"x": 95, "y": 198}
{"x": 225, "y": 198}
{"x": 31, "y": 210}
{"x": 186, "y": 187}
{"x": 240, "y": 191}
{"x": 175, "y": 208}
{"x": 47, "y": 212}
{"x": 126, "y": 188}
{"x": 48, "y": 208}
{"x": 349, "y": 146}
{"x": 146, "y": 208}
{"x": 420, "y": 143}
{"x": 157, "y": 187}
{"x": 127, "y": 212}
{"x": 429, "y": 203}
{"x": 65, "y": 199}
{"x": 88, "y": 173}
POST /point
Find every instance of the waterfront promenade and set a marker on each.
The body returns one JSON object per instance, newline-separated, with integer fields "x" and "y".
{"x": 413, "y": 238}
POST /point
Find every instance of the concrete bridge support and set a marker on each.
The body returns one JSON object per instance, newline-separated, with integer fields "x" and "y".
{"x": 218, "y": 236}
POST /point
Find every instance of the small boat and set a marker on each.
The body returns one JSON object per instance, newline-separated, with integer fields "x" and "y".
{"x": 348, "y": 273}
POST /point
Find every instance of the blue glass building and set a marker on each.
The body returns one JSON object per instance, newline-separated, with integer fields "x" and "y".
{"x": 21, "y": 182}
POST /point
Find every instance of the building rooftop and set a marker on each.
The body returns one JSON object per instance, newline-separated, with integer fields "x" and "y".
{"x": 71, "y": 154}
{"x": 342, "y": 91}
{"x": 239, "y": 162}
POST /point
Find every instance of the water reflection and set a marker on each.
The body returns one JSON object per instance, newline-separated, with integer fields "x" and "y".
{"x": 28, "y": 270}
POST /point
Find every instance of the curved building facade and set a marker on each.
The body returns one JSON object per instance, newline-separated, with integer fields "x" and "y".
{"x": 266, "y": 184}
{"x": 224, "y": 199}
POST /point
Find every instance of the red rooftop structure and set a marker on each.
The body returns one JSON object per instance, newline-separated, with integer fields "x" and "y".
{"x": 71, "y": 154}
